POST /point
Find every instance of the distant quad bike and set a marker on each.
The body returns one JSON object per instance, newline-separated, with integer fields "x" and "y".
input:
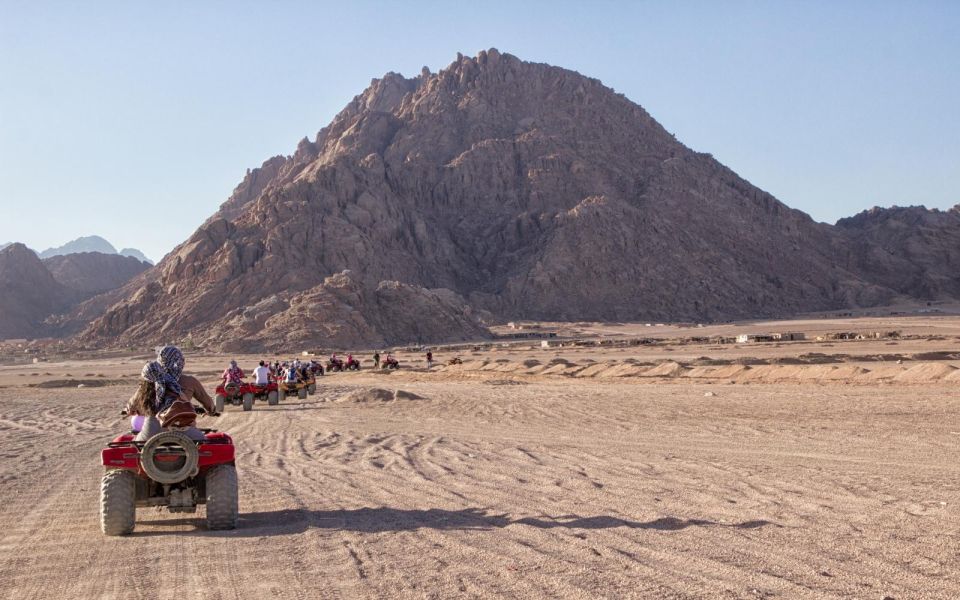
{"x": 168, "y": 470}
{"x": 335, "y": 365}
{"x": 290, "y": 388}
{"x": 390, "y": 363}
{"x": 316, "y": 369}
{"x": 352, "y": 365}
{"x": 234, "y": 393}
{"x": 455, "y": 361}
{"x": 269, "y": 392}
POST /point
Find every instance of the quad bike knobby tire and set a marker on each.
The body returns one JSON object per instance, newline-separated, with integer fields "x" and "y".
{"x": 219, "y": 401}
{"x": 248, "y": 401}
{"x": 312, "y": 388}
{"x": 118, "y": 509}
{"x": 302, "y": 393}
{"x": 273, "y": 398}
{"x": 222, "y": 508}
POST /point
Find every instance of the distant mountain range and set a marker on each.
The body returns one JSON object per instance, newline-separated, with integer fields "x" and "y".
{"x": 91, "y": 243}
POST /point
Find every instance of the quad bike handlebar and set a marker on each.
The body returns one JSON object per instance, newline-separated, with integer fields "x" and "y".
{"x": 197, "y": 409}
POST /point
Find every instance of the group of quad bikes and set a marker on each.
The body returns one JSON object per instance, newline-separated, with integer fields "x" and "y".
{"x": 174, "y": 471}
{"x": 245, "y": 393}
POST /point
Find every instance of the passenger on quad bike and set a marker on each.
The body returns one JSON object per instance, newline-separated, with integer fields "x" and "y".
{"x": 164, "y": 403}
{"x": 233, "y": 374}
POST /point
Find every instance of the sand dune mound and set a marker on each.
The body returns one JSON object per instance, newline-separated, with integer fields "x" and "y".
{"x": 369, "y": 395}
{"x": 666, "y": 369}
{"x": 924, "y": 372}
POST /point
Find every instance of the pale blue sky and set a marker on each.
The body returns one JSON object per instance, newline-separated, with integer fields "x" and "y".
{"x": 135, "y": 120}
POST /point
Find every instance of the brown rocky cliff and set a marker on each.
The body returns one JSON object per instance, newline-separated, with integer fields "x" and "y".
{"x": 28, "y": 293}
{"x": 92, "y": 273}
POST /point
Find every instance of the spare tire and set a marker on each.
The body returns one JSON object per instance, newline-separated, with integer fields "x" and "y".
{"x": 170, "y": 457}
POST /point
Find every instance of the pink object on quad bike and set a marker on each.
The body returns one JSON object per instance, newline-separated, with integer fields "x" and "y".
{"x": 168, "y": 470}
{"x": 136, "y": 423}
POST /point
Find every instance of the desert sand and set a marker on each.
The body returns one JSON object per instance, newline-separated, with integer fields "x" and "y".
{"x": 641, "y": 478}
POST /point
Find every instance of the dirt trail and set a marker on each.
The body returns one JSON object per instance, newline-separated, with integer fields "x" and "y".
{"x": 579, "y": 489}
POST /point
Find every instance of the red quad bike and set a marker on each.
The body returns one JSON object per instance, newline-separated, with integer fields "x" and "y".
{"x": 352, "y": 365}
{"x": 390, "y": 363}
{"x": 335, "y": 365}
{"x": 234, "y": 393}
{"x": 168, "y": 470}
{"x": 269, "y": 392}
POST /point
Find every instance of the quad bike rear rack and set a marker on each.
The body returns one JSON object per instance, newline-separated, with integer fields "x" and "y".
{"x": 140, "y": 444}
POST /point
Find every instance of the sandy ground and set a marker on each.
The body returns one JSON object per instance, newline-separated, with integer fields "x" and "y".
{"x": 506, "y": 485}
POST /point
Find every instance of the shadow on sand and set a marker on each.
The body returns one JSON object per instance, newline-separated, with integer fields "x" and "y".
{"x": 377, "y": 520}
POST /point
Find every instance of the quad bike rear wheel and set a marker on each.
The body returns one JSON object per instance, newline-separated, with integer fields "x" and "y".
{"x": 219, "y": 401}
{"x": 222, "y": 508}
{"x": 312, "y": 388}
{"x": 170, "y": 457}
{"x": 302, "y": 393}
{"x": 273, "y": 398}
{"x": 118, "y": 509}
{"x": 248, "y": 401}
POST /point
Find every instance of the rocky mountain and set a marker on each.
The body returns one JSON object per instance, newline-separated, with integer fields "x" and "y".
{"x": 92, "y": 243}
{"x": 28, "y": 293}
{"x": 92, "y": 273}
{"x": 528, "y": 190}
{"x": 913, "y": 250}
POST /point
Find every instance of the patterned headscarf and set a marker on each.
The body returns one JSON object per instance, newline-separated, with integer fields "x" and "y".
{"x": 164, "y": 382}
{"x": 172, "y": 361}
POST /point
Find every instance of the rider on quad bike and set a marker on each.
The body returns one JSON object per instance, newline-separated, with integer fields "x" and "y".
{"x": 168, "y": 382}
{"x": 335, "y": 364}
{"x": 294, "y": 383}
{"x": 170, "y": 462}
{"x": 389, "y": 362}
{"x": 351, "y": 364}
{"x": 233, "y": 389}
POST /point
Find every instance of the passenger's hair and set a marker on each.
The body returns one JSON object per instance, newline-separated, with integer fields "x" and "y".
{"x": 261, "y": 363}
{"x": 144, "y": 397}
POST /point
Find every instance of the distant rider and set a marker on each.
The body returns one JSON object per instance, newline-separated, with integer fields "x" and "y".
{"x": 232, "y": 374}
{"x": 262, "y": 374}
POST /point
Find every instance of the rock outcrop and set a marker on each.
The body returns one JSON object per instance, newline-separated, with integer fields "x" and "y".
{"x": 529, "y": 190}
{"x": 912, "y": 250}
{"x": 92, "y": 273}
{"x": 28, "y": 293}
